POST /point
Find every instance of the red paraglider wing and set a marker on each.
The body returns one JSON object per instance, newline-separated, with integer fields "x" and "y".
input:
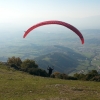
{"x": 59, "y": 23}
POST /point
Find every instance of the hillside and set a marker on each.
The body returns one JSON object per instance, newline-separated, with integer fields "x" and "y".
{"x": 64, "y": 61}
{"x": 16, "y": 85}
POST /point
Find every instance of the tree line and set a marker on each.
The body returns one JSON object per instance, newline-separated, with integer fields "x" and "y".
{"x": 92, "y": 75}
{"x": 30, "y": 66}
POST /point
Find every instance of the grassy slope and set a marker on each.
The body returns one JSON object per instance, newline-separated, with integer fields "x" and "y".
{"x": 15, "y": 85}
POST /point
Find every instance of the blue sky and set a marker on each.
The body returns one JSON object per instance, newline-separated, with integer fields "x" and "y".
{"x": 24, "y": 13}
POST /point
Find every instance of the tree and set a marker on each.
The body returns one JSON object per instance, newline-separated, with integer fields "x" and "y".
{"x": 14, "y": 62}
{"x": 91, "y": 74}
{"x": 28, "y": 64}
{"x": 32, "y": 68}
{"x": 80, "y": 76}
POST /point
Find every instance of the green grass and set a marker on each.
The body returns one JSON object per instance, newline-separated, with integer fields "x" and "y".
{"x": 16, "y": 85}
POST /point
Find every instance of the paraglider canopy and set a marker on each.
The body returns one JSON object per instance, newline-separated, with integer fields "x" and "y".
{"x": 59, "y": 23}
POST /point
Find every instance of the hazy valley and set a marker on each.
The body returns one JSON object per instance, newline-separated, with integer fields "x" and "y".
{"x": 62, "y": 49}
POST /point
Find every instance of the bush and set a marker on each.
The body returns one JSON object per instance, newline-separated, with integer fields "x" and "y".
{"x": 79, "y": 76}
{"x": 63, "y": 76}
{"x": 14, "y": 62}
{"x": 38, "y": 72}
{"x": 96, "y": 78}
{"x": 28, "y": 64}
{"x": 91, "y": 75}
{"x": 56, "y": 75}
{"x": 71, "y": 78}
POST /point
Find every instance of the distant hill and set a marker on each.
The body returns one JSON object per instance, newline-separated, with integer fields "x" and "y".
{"x": 64, "y": 61}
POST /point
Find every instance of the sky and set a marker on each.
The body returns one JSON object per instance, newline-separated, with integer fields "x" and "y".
{"x": 24, "y": 13}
